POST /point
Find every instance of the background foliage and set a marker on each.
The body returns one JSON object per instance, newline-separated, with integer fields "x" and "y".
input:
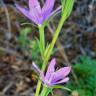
{"x": 85, "y": 69}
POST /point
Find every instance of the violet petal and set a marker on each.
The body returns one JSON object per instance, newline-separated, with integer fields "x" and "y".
{"x": 35, "y": 11}
{"x": 61, "y": 81}
{"x": 55, "y": 12}
{"x": 26, "y": 13}
{"x": 61, "y": 73}
{"x": 33, "y": 4}
{"x": 47, "y": 8}
{"x": 51, "y": 68}
{"x": 23, "y": 10}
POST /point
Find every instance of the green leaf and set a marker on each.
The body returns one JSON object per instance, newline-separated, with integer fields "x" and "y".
{"x": 47, "y": 49}
{"x": 40, "y": 46}
{"x": 62, "y": 87}
{"x": 34, "y": 49}
{"x": 23, "y": 35}
{"x": 25, "y": 31}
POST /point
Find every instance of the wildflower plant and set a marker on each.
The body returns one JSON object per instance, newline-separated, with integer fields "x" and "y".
{"x": 40, "y": 16}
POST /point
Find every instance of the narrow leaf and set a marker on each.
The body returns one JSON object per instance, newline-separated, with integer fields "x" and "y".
{"x": 62, "y": 87}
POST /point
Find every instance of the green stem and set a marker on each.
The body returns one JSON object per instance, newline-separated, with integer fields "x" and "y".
{"x": 42, "y": 40}
{"x": 38, "y": 88}
{"x": 42, "y": 49}
{"x": 62, "y": 20}
{"x": 44, "y": 91}
{"x": 46, "y": 58}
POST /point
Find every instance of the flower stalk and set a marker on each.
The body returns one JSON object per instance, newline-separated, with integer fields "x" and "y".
{"x": 50, "y": 51}
{"x": 42, "y": 40}
{"x": 53, "y": 42}
{"x": 44, "y": 91}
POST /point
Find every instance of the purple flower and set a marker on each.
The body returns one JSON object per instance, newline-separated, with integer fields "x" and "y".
{"x": 53, "y": 77}
{"x": 37, "y": 14}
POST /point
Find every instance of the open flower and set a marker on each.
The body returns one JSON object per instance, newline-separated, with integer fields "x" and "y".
{"x": 37, "y": 14}
{"x": 53, "y": 77}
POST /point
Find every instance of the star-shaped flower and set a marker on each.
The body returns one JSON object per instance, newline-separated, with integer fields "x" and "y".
{"x": 37, "y": 14}
{"x": 52, "y": 76}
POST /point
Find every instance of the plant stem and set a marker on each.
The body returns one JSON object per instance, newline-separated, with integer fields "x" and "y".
{"x": 44, "y": 91}
{"x": 42, "y": 40}
{"x": 42, "y": 49}
{"x": 38, "y": 88}
{"x": 46, "y": 58}
{"x": 62, "y": 20}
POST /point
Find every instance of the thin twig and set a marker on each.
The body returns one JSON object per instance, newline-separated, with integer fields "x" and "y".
{"x": 8, "y": 20}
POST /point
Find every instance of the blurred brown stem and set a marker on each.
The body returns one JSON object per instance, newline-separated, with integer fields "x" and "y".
{"x": 8, "y": 20}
